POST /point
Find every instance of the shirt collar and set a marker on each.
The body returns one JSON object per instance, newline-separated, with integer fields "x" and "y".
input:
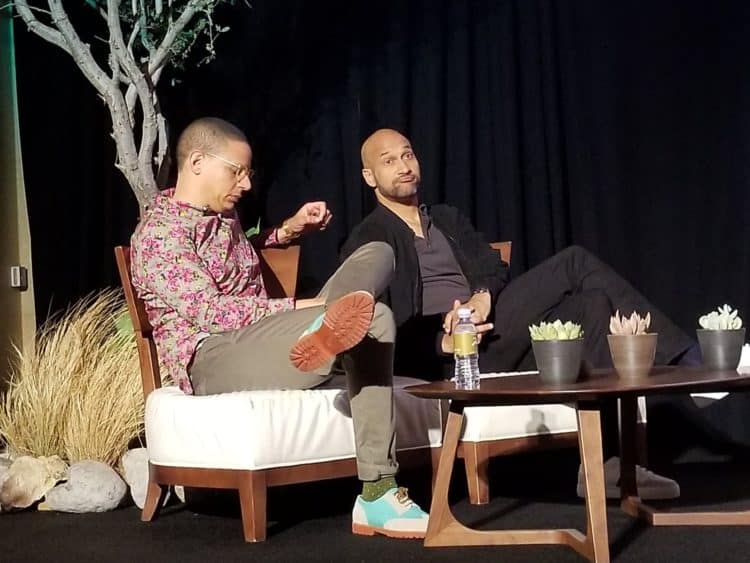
{"x": 165, "y": 203}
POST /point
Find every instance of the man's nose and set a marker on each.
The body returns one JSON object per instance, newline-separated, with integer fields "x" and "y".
{"x": 245, "y": 184}
{"x": 403, "y": 166}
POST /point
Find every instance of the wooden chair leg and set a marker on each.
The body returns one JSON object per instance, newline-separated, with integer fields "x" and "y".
{"x": 155, "y": 495}
{"x": 253, "y": 505}
{"x": 641, "y": 444}
{"x": 476, "y": 464}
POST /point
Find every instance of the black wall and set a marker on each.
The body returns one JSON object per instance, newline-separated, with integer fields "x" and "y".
{"x": 620, "y": 126}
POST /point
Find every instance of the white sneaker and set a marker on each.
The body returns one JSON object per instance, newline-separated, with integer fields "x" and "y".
{"x": 650, "y": 485}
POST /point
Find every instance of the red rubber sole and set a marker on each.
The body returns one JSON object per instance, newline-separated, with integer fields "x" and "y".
{"x": 345, "y": 324}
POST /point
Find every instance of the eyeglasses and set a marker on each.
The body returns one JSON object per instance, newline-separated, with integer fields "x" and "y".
{"x": 240, "y": 170}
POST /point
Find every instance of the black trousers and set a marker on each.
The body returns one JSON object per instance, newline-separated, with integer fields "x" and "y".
{"x": 573, "y": 285}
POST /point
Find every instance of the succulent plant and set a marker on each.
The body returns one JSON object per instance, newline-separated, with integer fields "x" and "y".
{"x": 724, "y": 318}
{"x": 635, "y": 324}
{"x": 556, "y": 330}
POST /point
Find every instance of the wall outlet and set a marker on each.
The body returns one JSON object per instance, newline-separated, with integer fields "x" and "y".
{"x": 19, "y": 278}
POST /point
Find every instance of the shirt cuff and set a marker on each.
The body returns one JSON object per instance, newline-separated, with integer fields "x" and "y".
{"x": 281, "y": 305}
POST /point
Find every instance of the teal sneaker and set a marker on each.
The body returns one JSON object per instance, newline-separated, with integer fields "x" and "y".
{"x": 394, "y": 515}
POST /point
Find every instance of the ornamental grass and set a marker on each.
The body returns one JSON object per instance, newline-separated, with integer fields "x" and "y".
{"x": 77, "y": 393}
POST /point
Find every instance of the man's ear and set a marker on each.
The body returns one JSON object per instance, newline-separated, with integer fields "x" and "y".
{"x": 369, "y": 177}
{"x": 195, "y": 162}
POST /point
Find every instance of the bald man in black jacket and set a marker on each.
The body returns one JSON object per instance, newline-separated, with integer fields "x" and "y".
{"x": 442, "y": 263}
{"x": 441, "y": 260}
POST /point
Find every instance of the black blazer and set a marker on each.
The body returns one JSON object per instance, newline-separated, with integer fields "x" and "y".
{"x": 417, "y": 351}
{"x": 477, "y": 260}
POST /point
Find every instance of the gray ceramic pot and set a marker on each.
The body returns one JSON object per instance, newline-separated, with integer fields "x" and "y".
{"x": 721, "y": 349}
{"x": 558, "y": 361}
{"x": 632, "y": 354}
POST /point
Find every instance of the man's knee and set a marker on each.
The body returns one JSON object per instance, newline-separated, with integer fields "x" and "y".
{"x": 574, "y": 251}
{"x": 379, "y": 254}
{"x": 383, "y": 325}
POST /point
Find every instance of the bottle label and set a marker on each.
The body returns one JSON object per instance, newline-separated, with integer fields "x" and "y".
{"x": 464, "y": 343}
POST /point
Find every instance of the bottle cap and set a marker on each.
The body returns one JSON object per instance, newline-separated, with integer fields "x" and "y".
{"x": 464, "y": 313}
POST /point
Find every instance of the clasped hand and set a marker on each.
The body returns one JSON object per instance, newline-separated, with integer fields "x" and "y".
{"x": 480, "y": 305}
{"x": 312, "y": 216}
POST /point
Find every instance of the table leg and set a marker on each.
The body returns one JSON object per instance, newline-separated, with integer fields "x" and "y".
{"x": 630, "y": 501}
{"x": 596, "y": 543}
{"x": 628, "y": 447}
{"x": 445, "y": 530}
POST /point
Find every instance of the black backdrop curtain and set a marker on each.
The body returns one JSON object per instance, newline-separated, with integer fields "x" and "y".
{"x": 620, "y": 126}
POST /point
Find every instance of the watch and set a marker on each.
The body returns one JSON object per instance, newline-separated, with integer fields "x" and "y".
{"x": 291, "y": 235}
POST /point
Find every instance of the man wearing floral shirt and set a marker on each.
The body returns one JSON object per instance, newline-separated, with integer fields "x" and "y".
{"x": 216, "y": 329}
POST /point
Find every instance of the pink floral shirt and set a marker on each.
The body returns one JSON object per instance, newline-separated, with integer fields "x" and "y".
{"x": 198, "y": 275}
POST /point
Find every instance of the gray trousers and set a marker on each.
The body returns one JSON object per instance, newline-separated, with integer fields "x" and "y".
{"x": 257, "y": 357}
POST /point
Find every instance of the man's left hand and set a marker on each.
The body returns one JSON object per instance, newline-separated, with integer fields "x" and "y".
{"x": 312, "y": 216}
{"x": 480, "y": 305}
{"x": 451, "y": 317}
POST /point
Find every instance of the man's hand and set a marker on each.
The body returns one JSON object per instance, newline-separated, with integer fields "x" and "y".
{"x": 480, "y": 305}
{"x": 451, "y": 319}
{"x": 312, "y": 216}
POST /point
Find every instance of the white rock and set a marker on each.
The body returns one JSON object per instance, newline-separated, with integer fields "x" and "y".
{"x": 92, "y": 486}
{"x": 28, "y": 479}
{"x": 135, "y": 470}
{"x": 179, "y": 490}
{"x": 5, "y": 464}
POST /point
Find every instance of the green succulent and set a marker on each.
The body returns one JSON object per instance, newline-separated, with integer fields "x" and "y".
{"x": 724, "y": 318}
{"x": 556, "y": 330}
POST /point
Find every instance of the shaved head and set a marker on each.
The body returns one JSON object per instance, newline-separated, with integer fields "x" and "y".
{"x": 377, "y": 143}
{"x": 390, "y": 166}
{"x": 214, "y": 161}
{"x": 207, "y": 134}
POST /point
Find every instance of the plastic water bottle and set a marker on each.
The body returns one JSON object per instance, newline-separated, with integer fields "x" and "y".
{"x": 465, "y": 352}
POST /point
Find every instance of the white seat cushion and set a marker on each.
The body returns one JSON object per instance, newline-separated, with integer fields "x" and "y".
{"x": 483, "y": 424}
{"x": 264, "y": 429}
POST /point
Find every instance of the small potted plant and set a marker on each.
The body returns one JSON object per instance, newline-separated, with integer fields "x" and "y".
{"x": 721, "y": 337}
{"x": 558, "y": 348}
{"x": 632, "y": 347}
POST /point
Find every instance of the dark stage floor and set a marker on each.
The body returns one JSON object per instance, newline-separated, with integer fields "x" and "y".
{"x": 311, "y": 522}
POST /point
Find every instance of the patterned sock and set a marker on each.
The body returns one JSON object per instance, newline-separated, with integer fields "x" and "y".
{"x": 373, "y": 490}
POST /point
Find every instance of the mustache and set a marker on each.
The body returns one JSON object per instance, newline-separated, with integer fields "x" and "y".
{"x": 407, "y": 177}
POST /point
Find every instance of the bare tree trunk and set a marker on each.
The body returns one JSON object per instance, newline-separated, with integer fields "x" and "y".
{"x": 128, "y": 84}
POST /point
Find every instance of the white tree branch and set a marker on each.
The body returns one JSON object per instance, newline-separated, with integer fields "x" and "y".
{"x": 133, "y": 35}
{"x": 123, "y": 81}
{"x": 80, "y": 52}
{"x": 141, "y": 86}
{"x": 44, "y": 31}
{"x": 131, "y": 96}
{"x": 161, "y": 56}
{"x": 156, "y": 76}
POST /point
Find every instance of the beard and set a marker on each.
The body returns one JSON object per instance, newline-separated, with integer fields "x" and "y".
{"x": 404, "y": 190}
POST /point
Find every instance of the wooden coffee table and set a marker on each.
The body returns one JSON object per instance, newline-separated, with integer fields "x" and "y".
{"x": 587, "y": 395}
